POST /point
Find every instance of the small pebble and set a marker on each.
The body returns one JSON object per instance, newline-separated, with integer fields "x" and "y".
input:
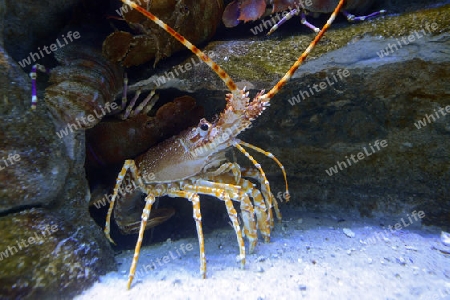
{"x": 445, "y": 238}
{"x": 176, "y": 282}
{"x": 348, "y": 233}
{"x": 261, "y": 258}
{"x": 411, "y": 248}
{"x": 401, "y": 261}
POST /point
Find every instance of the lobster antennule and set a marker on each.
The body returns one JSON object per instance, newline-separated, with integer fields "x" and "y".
{"x": 205, "y": 58}
{"x": 302, "y": 57}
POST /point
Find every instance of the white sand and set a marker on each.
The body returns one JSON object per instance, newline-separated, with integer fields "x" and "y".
{"x": 309, "y": 257}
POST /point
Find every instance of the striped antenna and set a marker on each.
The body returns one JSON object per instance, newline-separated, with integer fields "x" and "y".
{"x": 302, "y": 57}
{"x": 216, "y": 68}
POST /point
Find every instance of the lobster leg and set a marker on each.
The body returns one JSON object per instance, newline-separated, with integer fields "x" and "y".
{"x": 270, "y": 199}
{"x": 350, "y": 17}
{"x": 217, "y": 190}
{"x": 288, "y": 16}
{"x": 260, "y": 208}
{"x": 353, "y": 18}
{"x": 33, "y": 76}
{"x": 149, "y": 200}
{"x": 263, "y": 219}
{"x": 269, "y": 155}
{"x": 129, "y": 112}
{"x": 193, "y": 197}
{"x": 237, "y": 195}
{"x": 129, "y": 164}
{"x": 271, "y": 202}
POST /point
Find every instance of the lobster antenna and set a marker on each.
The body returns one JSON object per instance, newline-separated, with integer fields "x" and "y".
{"x": 216, "y": 68}
{"x": 302, "y": 57}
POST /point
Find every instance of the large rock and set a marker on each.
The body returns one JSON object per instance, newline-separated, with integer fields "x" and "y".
{"x": 38, "y": 169}
{"x": 45, "y": 257}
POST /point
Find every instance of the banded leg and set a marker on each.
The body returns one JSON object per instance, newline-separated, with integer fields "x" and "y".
{"x": 193, "y": 197}
{"x": 353, "y": 18}
{"x": 248, "y": 188}
{"x": 224, "y": 196}
{"x": 149, "y": 200}
{"x": 260, "y": 208}
{"x": 306, "y": 23}
{"x": 292, "y": 13}
{"x": 350, "y": 17}
{"x": 33, "y": 76}
{"x": 270, "y": 200}
{"x": 129, "y": 164}
{"x": 270, "y": 155}
{"x": 265, "y": 186}
{"x": 221, "y": 175}
{"x": 227, "y": 167}
{"x": 145, "y": 106}
{"x": 287, "y": 17}
{"x": 248, "y": 216}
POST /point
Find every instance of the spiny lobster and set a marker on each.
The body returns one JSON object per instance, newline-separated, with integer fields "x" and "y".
{"x": 179, "y": 169}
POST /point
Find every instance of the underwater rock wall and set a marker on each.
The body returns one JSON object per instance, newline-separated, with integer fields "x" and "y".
{"x": 50, "y": 247}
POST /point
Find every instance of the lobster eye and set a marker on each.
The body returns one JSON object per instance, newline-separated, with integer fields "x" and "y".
{"x": 204, "y": 127}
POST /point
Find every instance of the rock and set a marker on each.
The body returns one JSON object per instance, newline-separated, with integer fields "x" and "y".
{"x": 38, "y": 169}
{"x": 29, "y": 25}
{"x": 348, "y": 232}
{"x": 445, "y": 238}
{"x": 33, "y": 179}
{"x": 43, "y": 256}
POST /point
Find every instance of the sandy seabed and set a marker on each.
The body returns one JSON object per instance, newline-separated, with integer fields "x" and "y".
{"x": 310, "y": 256}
